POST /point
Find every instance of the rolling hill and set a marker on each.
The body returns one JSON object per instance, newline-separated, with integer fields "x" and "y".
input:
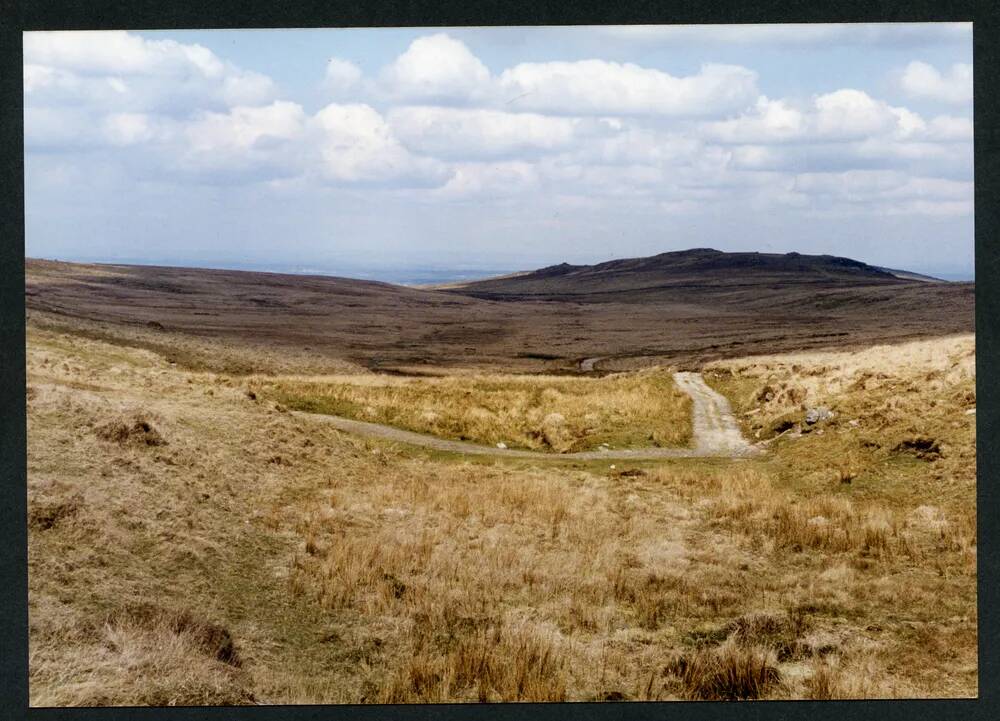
{"x": 681, "y": 308}
{"x": 700, "y": 269}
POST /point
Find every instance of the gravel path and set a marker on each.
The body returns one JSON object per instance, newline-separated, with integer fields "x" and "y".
{"x": 715, "y": 431}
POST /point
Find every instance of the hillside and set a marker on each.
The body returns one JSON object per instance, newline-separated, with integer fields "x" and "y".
{"x": 681, "y": 308}
{"x": 701, "y": 269}
{"x": 192, "y": 544}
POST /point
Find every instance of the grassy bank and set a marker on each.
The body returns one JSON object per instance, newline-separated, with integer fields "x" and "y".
{"x": 189, "y": 544}
{"x": 537, "y": 412}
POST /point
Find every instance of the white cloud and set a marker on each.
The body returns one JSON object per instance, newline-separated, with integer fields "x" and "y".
{"x": 244, "y": 144}
{"x": 117, "y": 52}
{"x": 478, "y": 133}
{"x": 490, "y": 180}
{"x": 245, "y": 128}
{"x": 610, "y": 88}
{"x": 129, "y": 128}
{"x": 436, "y": 68}
{"x": 840, "y": 116}
{"x": 920, "y": 80}
{"x": 948, "y": 127}
{"x": 616, "y": 134}
{"x": 631, "y": 144}
{"x": 853, "y": 114}
{"x": 123, "y": 71}
{"x": 356, "y": 145}
{"x": 770, "y": 121}
{"x": 341, "y": 76}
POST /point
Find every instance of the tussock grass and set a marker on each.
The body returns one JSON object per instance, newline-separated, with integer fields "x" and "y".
{"x": 353, "y": 571}
{"x": 903, "y": 425}
{"x": 496, "y": 664}
{"x": 538, "y": 412}
{"x": 138, "y": 430}
{"x": 730, "y": 672}
{"x": 148, "y": 656}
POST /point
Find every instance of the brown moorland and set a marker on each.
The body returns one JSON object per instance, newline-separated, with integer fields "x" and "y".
{"x": 191, "y": 542}
{"x": 681, "y": 308}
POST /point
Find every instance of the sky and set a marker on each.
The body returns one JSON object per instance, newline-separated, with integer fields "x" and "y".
{"x": 398, "y": 153}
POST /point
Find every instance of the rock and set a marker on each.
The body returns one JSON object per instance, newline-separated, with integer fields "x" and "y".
{"x": 854, "y": 422}
{"x": 817, "y": 414}
{"x": 971, "y": 412}
{"x": 501, "y": 445}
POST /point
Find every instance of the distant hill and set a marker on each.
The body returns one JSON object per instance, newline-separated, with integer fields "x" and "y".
{"x": 700, "y": 268}
{"x": 674, "y": 308}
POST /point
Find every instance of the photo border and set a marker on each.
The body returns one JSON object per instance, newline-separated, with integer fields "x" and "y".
{"x": 187, "y": 14}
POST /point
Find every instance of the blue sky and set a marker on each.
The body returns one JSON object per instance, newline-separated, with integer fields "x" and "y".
{"x": 376, "y": 151}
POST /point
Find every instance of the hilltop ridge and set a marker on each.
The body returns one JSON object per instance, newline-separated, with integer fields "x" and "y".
{"x": 704, "y": 268}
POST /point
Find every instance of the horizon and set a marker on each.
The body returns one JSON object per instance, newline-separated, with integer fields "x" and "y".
{"x": 427, "y": 275}
{"x": 394, "y": 151}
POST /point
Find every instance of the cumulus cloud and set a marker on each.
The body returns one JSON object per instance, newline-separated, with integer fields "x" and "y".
{"x": 436, "y": 68}
{"x": 342, "y": 76}
{"x": 356, "y": 145}
{"x": 490, "y": 180}
{"x": 475, "y": 133}
{"x": 439, "y": 69}
{"x": 244, "y": 129}
{"x": 605, "y": 88}
{"x": 920, "y": 80}
{"x": 846, "y": 114}
{"x": 437, "y": 121}
{"x": 126, "y": 71}
{"x": 129, "y": 128}
{"x": 841, "y": 131}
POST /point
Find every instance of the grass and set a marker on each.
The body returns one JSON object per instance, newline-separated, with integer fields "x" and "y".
{"x": 537, "y": 412}
{"x": 251, "y": 556}
{"x": 888, "y": 402}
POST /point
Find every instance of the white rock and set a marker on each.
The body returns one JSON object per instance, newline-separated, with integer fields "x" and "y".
{"x": 501, "y": 445}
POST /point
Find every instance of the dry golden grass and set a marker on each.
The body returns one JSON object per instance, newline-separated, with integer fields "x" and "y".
{"x": 345, "y": 570}
{"x": 538, "y": 412}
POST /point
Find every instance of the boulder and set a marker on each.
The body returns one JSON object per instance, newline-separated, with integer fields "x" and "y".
{"x": 818, "y": 414}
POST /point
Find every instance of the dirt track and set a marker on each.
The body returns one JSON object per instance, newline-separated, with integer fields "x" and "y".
{"x": 714, "y": 429}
